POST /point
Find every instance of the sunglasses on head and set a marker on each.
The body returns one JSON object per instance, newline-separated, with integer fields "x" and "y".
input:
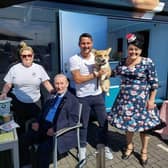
{"x": 28, "y": 55}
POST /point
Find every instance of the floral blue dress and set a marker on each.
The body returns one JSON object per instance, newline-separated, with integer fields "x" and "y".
{"x": 129, "y": 112}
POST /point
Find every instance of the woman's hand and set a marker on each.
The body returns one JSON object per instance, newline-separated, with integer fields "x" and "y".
{"x": 48, "y": 86}
{"x": 3, "y": 96}
{"x": 150, "y": 104}
{"x": 5, "y": 90}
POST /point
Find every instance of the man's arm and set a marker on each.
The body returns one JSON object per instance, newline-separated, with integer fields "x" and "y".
{"x": 78, "y": 78}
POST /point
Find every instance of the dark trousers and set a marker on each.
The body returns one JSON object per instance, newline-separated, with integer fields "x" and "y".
{"x": 97, "y": 105}
{"x": 24, "y": 112}
{"x": 44, "y": 150}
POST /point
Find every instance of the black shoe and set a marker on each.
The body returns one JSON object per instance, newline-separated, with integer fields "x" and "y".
{"x": 142, "y": 161}
{"x": 126, "y": 156}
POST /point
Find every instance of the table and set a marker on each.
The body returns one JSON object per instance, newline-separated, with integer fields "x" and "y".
{"x": 164, "y": 116}
{"x": 9, "y": 141}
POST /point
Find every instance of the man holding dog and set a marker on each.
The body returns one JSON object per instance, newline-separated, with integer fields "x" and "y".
{"x": 89, "y": 92}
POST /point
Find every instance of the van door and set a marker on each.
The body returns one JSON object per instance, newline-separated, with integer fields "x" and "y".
{"x": 73, "y": 24}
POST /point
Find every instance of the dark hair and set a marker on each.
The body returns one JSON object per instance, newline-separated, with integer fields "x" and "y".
{"x": 136, "y": 39}
{"x": 85, "y": 35}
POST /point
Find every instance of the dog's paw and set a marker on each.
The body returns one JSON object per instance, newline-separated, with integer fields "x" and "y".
{"x": 103, "y": 77}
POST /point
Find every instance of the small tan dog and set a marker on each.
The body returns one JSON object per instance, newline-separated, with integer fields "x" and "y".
{"x": 102, "y": 62}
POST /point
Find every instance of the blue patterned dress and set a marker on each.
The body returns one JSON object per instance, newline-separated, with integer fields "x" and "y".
{"x": 129, "y": 112}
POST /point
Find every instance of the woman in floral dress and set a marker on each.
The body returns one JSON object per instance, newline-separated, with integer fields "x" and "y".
{"x": 134, "y": 109}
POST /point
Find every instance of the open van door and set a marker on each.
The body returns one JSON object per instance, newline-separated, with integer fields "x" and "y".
{"x": 72, "y": 25}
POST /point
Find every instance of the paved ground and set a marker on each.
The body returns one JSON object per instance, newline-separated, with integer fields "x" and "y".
{"x": 157, "y": 152}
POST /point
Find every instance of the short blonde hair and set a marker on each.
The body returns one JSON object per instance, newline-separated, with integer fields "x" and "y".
{"x": 23, "y": 46}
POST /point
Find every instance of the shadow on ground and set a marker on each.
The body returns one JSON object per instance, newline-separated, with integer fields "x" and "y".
{"x": 116, "y": 141}
{"x": 159, "y": 136}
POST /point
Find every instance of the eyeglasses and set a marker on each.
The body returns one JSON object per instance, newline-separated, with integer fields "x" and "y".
{"x": 28, "y": 55}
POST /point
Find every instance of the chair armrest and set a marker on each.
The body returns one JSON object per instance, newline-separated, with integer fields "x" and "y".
{"x": 67, "y": 129}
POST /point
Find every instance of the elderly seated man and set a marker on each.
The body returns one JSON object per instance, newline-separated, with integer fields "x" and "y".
{"x": 60, "y": 111}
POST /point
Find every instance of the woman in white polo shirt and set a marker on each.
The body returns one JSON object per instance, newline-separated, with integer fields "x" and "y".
{"x": 25, "y": 79}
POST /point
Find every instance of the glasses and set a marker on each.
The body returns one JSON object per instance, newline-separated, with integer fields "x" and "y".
{"x": 28, "y": 55}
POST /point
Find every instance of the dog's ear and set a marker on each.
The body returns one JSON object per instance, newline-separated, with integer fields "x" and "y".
{"x": 93, "y": 50}
{"x": 108, "y": 51}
